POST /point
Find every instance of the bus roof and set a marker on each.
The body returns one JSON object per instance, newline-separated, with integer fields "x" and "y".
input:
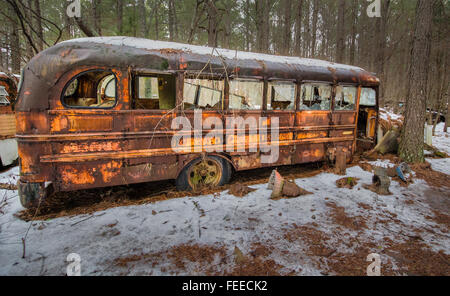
{"x": 45, "y": 69}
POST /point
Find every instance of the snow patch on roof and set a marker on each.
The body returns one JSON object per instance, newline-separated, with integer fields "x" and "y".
{"x": 204, "y": 50}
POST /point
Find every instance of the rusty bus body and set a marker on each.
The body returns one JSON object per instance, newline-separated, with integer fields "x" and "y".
{"x": 8, "y": 143}
{"x": 73, "y": 135}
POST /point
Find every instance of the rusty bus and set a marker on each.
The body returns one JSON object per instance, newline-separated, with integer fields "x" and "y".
{"x": 8, "y": 143}
{"x": 97, "y": 112}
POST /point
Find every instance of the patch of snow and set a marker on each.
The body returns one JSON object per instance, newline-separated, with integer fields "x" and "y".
{"x": 388, "y": 114}
{"x": 223, "y": 219}
{"x": 440, "y": 164}
{"x": 8, "y": 151}
{"x": 441, "y": 139}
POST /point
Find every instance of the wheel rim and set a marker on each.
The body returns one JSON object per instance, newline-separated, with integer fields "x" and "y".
{"x": 204, "y": 173}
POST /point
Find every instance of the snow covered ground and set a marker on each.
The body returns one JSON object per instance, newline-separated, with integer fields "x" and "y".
{"x": 388, "y": 114}
{"x": 441, "y": 141}
{"x": 330, "y": 231}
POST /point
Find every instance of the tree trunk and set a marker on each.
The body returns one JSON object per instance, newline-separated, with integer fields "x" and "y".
{"x": 142, "y": 18}
{"x": 314, "y": 27}
{"x": 84, "y": 28}
{"x": 29, "y": 16}
{"x": 354, "y": 32}
{"x": 298, "y": 29}
{"x": 15, "y": 49}
{"x": 259, "y": 8}
{"x": 198, "y": 12}
{"x": 212, "y": 23}
{"x": 171, "y": 21}
{"x": 447, "y": 117}
{"x": 287, "y": 26}
{"x": 120, "y": 16}
{"x": 247, "y": 25}
{"x": 381, "y": 48}
{"x": 156, "y": 12}
{"x": 227, "y": 30}
{"x": 97, "y": 16}
{"x": 340, "y": 32}
{"x": 2, "y": 46}
{"x": 40, "y": 32}
{"x": 266, "y": 25}
{"x": 412, "y": 139}
{"x": 307, "y": 33}
{"x": 441, "y": 82}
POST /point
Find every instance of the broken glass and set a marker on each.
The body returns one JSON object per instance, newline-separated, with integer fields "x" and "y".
{"x": 202, "y": 94}
{"x": 315, "y": 96}
{"x": 246, "y": 94}
{"x": 345, "y": 98}
{"x": 281, "y": 96}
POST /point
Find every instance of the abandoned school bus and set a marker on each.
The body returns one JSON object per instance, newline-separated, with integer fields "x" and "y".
{"x": 8, "y": 143}
{"x": 97, "y": 112}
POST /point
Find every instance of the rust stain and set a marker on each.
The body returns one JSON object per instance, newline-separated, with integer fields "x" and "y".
{"x": 72, "y": 176}
{"x": 91, "y": 147}
{"x": 110, "y": 170}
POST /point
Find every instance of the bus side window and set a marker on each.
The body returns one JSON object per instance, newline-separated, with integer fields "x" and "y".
{"x": 345, "y": 98}
{"x": 281, "y": 96}
{"x": 155, "y": 92}
{"x": 246, "y": 94}
{"x": 92, "y": 89}
{"x": 203, "y": 94}
{"x": 315, "y": 96}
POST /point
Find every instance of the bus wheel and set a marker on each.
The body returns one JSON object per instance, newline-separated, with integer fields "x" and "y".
{"x": 207, "y": 172}
{"x": 31, "y": 193}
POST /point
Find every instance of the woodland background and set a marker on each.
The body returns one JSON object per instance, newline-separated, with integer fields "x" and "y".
{"x": 334, "y": 30}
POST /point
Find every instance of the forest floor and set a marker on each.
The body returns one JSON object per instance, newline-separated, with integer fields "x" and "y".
{"x": 150, "y": 229}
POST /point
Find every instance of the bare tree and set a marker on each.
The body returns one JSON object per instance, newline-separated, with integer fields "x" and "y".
{"x": 171, "y": 20}
{"x": 198, "y": 12}
{"x": 40, "y": 31}
{"x": 340, "y": 32}
{"x": 156, "y": 12}
{"x": 411, "y": 144}
{"x": 212, "y": 13}
{"x": 15, "y": 46}
{"x": 119, "y": 9}
{"x": 352, "y": 52}
{"x": 381, "y": 46}
{"x": 287, "y": 26}
{"x": 142, "y": 18}
{"x": 247, "y": 25}
{"x": 314, "y": 27}
{"x": 97, "y": 16}
{"x": 298, "y": 28}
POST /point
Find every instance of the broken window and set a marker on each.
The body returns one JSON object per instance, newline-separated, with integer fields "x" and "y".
{"x": 246, "y": 94}
{"x": 93, "y": 89}
{"x": 315, "y": 96}
{"x": 3, "y": 96}
{"x": 345, "y": 98}
{"x": 202, "y": 94}
{"x": 368, "y": 97}
{"x": 156, "y": 92}
{"x": 281, "y": 96}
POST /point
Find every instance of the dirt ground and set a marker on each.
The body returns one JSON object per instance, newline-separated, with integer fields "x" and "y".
{"x": 402, "y": 244}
